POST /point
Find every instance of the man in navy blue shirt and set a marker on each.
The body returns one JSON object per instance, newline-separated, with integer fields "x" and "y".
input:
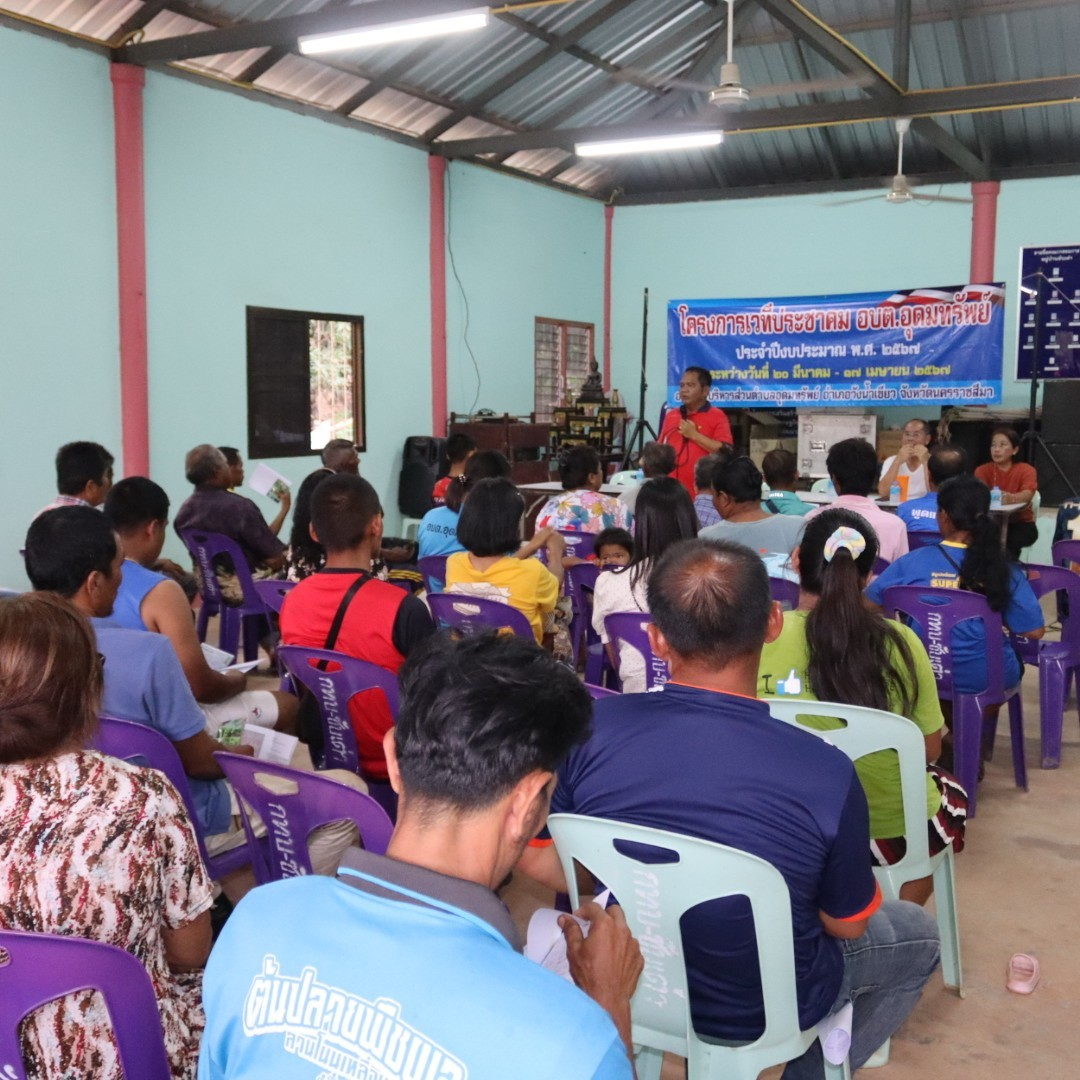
{"x": 920, "y": 515}
{"x": 705, "y": 758}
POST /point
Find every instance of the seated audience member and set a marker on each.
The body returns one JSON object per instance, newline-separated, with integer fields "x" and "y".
{"x": 91, "y": 847}
{"x": 781, "y": 471}
{"x": 459, "y": 448}
{"x": 613, "y": 547}
{"x": 1018, "y": 483}
{"x": 438, "y": 528}
{"x": 484, "y": 724}
{"x": 656, "y": 460}
{"x": 374, "y": 620}
{"x": 581, "y": 507}
{"x": 492, "y": 567}
{"x": 734, "y": 775}
{"x": 910, "y": 462}
{"x": 704, "y": 471}
{"x": 833, "y": 648}
{"x": 84, "y": 474}
{"x": 970, "y": 557}
{"x": 139, "y": 512}
{"x": 236, "y": 466}
{"x": 341, "y": 456}
{"x": 853, "y": 467}
{"x": 665, "y": 516}
{"x": 737, "y": 498}
{"x": 920, "y": 515}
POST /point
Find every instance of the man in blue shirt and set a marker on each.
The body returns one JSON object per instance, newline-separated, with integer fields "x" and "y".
{"x": 920, "y": 515}
{"x": 705, "y": 758}
{"x": 408, "y": 965}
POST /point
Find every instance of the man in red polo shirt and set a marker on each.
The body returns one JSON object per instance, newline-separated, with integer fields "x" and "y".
{"x": 379, "y": 623}
{"x": 695, "y": 428}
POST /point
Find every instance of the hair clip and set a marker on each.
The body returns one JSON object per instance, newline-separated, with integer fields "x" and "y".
{"x": 850, "y": 540}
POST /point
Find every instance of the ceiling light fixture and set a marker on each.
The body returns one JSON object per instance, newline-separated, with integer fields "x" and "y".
{"x": 385, "y": 33}
{"x": 649, "y": 144}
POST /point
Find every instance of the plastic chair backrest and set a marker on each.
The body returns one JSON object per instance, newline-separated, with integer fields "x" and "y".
{"x": 272, "y": 593}
{"x": 335, "y": 679}
{"x": 1055, "y": 579}
{"x": 1065, "y": 552}
{"x": 579, "y": 544}
{"x": 474, "y": 615}
{"x": 787, "y": 592}
{"x": 38, "y": 968}
{"x": 880, "y": 566}
{"x": 654, "y": 896}
{"x": 598, "y": 692}
{"x": 821, "y": 486}
{"x": 920, "y": 539}
{"x": 633, "y": 628}
{"x": 291, "y": 816}
{"x": 624, "y": 478}
{"x": 433, "y": 570}
{"x": 204, "y": 548}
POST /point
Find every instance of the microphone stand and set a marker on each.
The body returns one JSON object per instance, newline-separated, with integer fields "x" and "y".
{"x": 641, "y": 425}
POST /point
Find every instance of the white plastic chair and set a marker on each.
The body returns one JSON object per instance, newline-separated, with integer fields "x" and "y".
{"x": 626, "y": 478}
{"x": 870, "y": 730}
{"x": 654, "y": 897}
{"x": 819, "y": 487}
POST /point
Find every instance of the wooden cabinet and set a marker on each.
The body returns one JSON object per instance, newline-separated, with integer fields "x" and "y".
{"x": 521, "y": 440}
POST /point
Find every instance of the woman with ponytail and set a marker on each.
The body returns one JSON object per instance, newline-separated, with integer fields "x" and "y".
{"x": 834, "y": 648}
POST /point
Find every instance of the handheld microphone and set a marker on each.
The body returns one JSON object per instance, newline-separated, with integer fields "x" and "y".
{"x": 682, "y": 411}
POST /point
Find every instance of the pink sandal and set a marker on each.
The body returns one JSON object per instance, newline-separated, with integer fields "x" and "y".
{"x": 1023, "y": 973}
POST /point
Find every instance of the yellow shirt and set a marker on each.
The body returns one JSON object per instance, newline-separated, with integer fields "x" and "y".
{"x": 525, "y": 584}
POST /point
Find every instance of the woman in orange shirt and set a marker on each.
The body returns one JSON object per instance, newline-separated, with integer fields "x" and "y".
{"x": 1018, "y": 483}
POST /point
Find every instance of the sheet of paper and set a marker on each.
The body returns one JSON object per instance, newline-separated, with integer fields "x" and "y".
{"x": 218, "y": 659}
{"x": 270, "y": 745}
{"x": 246, "y": 666}
{"x": 269, "y": 482}
{"x": 545, "y": 944}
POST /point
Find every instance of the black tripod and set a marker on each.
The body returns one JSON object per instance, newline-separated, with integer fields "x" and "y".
{"x": 1032, "y": 441}
{"x": 641, "y": 425}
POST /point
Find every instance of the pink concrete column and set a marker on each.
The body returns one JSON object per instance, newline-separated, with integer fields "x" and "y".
{"x": 127, "y": 83}
{"x": 983, "y": 229}
{"x": 609, "y": 214}
{"x": 437, "y": 258}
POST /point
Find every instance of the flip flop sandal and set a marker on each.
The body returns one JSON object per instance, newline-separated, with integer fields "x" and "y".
{"x": 1023, "y": 973}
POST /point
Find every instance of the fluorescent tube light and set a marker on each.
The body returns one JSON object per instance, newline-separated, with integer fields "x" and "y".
{"x": 650, "y": 144}
{"x": 407, "y": 30}
{"x": 1027, "y": 290}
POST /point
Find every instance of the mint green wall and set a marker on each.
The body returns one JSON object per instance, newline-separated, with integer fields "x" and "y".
{"x": 521, "y": 251}
{"x": 58, "y": 317}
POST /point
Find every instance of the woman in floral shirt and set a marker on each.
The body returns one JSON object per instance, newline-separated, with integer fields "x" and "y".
{"x": 581, "y": 507}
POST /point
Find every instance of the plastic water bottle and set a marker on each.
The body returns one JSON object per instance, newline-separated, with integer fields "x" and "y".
{"x": 995, "y": 498}
{"x": 894, "y": 492}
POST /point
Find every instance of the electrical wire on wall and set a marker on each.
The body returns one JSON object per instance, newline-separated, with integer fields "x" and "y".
{"x": 457, "y": 278}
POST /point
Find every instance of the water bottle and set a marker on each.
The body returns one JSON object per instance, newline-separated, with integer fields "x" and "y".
{"x": 995, "y": 498}
{"x": 894, "y": 492}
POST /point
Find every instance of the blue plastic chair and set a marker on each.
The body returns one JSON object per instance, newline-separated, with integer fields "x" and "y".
{"x": 867, "y": 731}
{"x": 473, "y": 615}
{"x": 631, "y": 628}
{"x": 702, "y": 871}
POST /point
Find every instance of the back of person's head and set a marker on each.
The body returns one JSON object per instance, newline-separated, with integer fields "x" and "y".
{"x": 79, "y": 463}
{"x": 657, "y": 459}
{"x": 203, "y": 463}
{"x": 708, "y": 468}
{"x": 65, "y": 546}
{"x": 663, "y": 515}
{"x": 303, "y": 547}
{"x": 483, "y": 465}
{"x": 739, "y": 480}
{"x": 50, "y": 679}
{"x": 711, "y": 601}
{"x": 480, "y": 714}
{"x": 780, "y": 468}
{"x": 490, "y": 521}
{"x": 343, "y": 507}
{"x": 945, "y": 462}
{"x": 134, "y": 502}
{"x": 853, "y": 466}
{"x": 337, "y": 452}
{"x": 985, "y": 567}
{"x": 232, "y": 455}
{"x": 856, "y": 656}
{"x": 576, "y": 465}
{"x": 458, "y": 447}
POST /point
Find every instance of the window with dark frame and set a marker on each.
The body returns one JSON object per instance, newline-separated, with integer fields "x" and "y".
{"x": 562, "y": 352}
{"x": 305, "y": 381}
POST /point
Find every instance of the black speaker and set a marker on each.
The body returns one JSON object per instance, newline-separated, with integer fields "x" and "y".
{"x": 419, "y": 468}
{"x": 1052, "y": 487}
{"x": 1061, "y": 412}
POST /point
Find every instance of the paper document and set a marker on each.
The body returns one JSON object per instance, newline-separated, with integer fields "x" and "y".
{"x": 270, "y": 745}
{"x": 245, "y": 667}
{"x": 218, "y": 659}
{"x": 266, "y": 481}
{"x": 545, "y": 944}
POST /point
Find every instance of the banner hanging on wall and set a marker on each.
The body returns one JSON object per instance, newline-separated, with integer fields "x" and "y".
{"x": 940, "y": 346}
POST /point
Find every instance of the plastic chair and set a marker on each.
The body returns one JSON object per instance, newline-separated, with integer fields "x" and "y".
{"x": 1056, "y": 660}
{"x": 335, "y": 679}
{"x": 880, "y": 566}
{"x": 867, "y": 731}
{"x": 920, "y": 539}
{"x": 624, "y": 478}
{"x": 474, "y": 615}
{"x": 579, "y": 583}
{"x": 935, "y": 614}
{"x": 433, "y": 570}
{"x": 291, "y": 817}
{"x": 38, "y": 968}
{"x": 579, "y": 544}
{"x": 822, "y": 486}
{"x": 272, "y": 593}
{"x": 632, "y": 628}
{"x": 248, "y": 617}
{"x": 787, "y": 592}
{"x": 141, "y": 745}
{"x": 703, "y": 871}
{"x": 598, "y": 692}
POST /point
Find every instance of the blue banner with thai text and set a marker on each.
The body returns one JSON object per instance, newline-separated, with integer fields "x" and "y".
{"x": 940, "y": 346}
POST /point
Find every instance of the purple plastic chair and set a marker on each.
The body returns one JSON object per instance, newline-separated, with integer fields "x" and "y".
{"x": 250, "y": 616}
{"x": 1065, "y": 552}
{"x": 433, "y": 571}
{"x": 632, "y": 628}
{"x": 141, "y": 745}
{"x": 473, "y": 615}
{"x": 38, "y": 968}
{"x": 787, "y": 592}
{"x": 579, "y": 584}
{"x": 335, "y": 679}
{"x": 921, "y": 539}
{"x": 581, "y": 545}
{"x": 598, "y": 692}
{"x": 1056, "y": 660}
{"x": 880, "y": 566}
{"x": 291, "y": 818}
{"x": 935, "y": 614}
{"x": 272, "y": 593}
